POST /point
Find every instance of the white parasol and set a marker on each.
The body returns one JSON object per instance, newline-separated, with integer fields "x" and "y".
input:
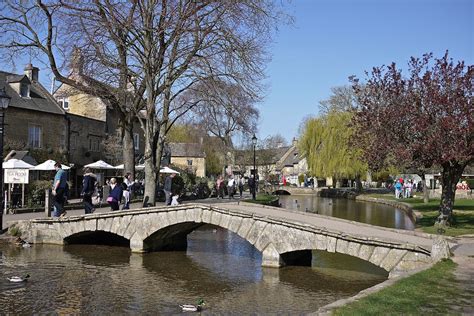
{"x": 49, "y": 165}
{"x": 99, "y": 164}
{"x": 16, "y": 164}
{"x": 168, "y": 170}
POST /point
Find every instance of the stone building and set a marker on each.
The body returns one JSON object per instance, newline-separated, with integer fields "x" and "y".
{"x": 189, "y": 156}
{"x": 34, "y": 120}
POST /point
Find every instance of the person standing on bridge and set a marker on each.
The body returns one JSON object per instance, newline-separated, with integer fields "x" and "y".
{"x": 59, "y": 190}
{"x": 88, "y": 188}
{"x": 115, "y": 195}
{"x": 168, "y": 187}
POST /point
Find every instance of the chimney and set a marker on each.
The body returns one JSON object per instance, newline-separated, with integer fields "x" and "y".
{"x": 32, "y": 72}
{"x": 295, "y": 141}
{"x": 77, "y": 61}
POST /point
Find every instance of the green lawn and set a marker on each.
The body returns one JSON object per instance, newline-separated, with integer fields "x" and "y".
{"x": 429, "y": 292}
{"x": 264, "y": 199}
{"x": 463, "y": 214}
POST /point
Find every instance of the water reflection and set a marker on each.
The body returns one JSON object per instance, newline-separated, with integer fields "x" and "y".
{"x": 364, "y": 212}
{"x": 218, "y": 266}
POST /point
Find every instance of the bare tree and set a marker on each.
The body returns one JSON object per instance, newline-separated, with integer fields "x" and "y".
{"x": 160, "y": 48}
{"x": 84, "y": 49}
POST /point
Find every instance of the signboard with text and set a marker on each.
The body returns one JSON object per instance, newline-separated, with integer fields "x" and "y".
{"x": 16, "y": 175}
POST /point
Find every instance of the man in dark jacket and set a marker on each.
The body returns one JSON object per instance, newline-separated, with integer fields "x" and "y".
{"x": 88, "y": 188}
{"x": 168, "y": 187}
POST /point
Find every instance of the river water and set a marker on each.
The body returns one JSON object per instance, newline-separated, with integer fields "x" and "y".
{"x": 363, "y": 212}
{"x": 218, "y": 266}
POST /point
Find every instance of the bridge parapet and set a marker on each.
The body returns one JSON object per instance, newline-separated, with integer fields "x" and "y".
{"x": 273, "y": 235}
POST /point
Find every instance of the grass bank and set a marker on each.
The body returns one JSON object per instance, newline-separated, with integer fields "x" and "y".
{"x": 429, "y": 292}
{"x": 264, "y": 199}
{"x": 463, "y": 214}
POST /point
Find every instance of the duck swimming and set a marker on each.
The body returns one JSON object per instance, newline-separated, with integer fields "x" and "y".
{"x": 193, "y": 308}
{"x": 17, "y": 279}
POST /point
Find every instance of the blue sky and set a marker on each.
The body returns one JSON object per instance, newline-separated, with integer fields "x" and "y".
{"x": 333, "y": 39}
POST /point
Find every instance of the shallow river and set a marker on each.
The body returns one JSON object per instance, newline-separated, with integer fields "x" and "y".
{"x": 364, "y": 212}
{"x": 218, "y": 266}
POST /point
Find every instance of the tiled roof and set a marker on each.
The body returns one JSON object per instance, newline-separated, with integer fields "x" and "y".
{"x": 271, "y": 156}
{"x": 39, "y": 100}
{"x": 187, "y": 150}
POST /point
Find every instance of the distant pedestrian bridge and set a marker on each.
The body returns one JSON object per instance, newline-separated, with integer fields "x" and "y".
{"x": 286, "y": 190}
{"x": 282, "y": 236}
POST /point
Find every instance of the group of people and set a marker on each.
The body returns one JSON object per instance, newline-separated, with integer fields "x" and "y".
{"x": 233, "y": 184}
{"x": 405, "y": 189}
{"x": 117, "y": 192}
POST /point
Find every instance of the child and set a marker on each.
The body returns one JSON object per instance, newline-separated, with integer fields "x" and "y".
{"x": 174, "y": 200}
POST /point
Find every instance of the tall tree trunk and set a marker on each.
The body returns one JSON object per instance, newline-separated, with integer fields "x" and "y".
{"x": 128, "y": 147}
{"x": 150, "y": 165}
{"x": 426, "y": 195}
{"x": 449, "y": 178}
{"x": 358, "y": 184}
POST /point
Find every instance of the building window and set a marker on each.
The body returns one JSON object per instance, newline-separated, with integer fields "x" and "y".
{"x": 73, "y": 140}
{"x": 24, "y": 90}
{"x": 190, "y": 162}
{"x": 64, "y": 103}
{"x": 94, "y": 143}
{"x": 136, "y": 141}
{"x": 34, "y": 136}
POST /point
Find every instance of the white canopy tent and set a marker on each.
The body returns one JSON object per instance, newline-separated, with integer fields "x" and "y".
{"x": 49, "y": 165}
{"x": 16, "y": 164}
{"x": 168, "y": 170}
{"x": 120, "y": 167}
{"x": 100, "y": 164}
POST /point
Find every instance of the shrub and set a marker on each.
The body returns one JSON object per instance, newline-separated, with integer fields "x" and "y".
{"x": 36, "y": 191}
{"x": 14, "y": 231}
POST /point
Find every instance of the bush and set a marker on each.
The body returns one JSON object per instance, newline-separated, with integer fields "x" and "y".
{"x": 14, "y": 231}
{"x": 36, "y": 192}
{"x": 300, "y": 179}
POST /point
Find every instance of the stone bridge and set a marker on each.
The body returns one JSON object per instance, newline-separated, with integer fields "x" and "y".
{"x": 280, "y": 189}
{"x": 280, "y": 235}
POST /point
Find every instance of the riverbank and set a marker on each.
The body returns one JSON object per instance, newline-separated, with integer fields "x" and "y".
{"x": 426, "y": 214}
{"x": 445, "y": 288}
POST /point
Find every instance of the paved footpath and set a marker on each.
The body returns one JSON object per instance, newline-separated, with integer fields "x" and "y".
{"x": 335, "y": 224}
{"x": 464, "y": 273}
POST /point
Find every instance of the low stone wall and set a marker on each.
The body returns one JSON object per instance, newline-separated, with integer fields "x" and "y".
{"x": 337, "y": 193}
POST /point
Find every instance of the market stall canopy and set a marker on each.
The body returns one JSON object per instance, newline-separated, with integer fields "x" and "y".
{"x": 168, "y": 170}
{"x": 16, "y": 164}
{"x": 122, "y": 166}
{"x": 49, "y": 165}
{"x": 99, "y": 164}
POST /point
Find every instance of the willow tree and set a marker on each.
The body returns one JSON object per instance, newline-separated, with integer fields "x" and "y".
{"x": 325, "y": 143}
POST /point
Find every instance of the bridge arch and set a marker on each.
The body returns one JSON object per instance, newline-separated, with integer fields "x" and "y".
{"x": 97, "y": 237}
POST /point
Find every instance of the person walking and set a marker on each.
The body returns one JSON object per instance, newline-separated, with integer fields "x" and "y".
{"x": 231, "y": 187}
{"x": 59, "y": 190}
{"x": 115, "y": 195}
{"x": 168, "y": 187}
{"x": 220, "y": 187}
{"x": 241, "y": 185}
{"x": 398, "y": 189}
{"x": 128, "y": 180}
{"x": 126, "y": 195}
{"x": 88, "y": 188}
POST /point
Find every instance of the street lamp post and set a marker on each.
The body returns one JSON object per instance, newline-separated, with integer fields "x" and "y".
{"x": 254, "y": 142}
{"x": 4, "y": 102}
